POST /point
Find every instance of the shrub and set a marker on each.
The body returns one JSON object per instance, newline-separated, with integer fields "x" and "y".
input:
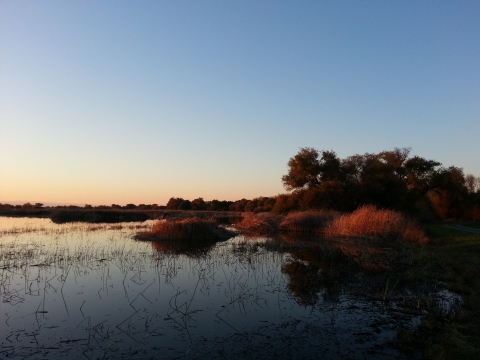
{"x": 368, "y": 220}
{"x": 307, "y": 221}
{"x": 261, "y": 223}
{"x": 192, "y": 229}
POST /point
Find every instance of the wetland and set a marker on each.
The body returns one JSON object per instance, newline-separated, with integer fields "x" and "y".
{"x": 91, "y": 291}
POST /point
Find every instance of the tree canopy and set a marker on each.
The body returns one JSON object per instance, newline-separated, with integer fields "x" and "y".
{"x": 391, "y": 179}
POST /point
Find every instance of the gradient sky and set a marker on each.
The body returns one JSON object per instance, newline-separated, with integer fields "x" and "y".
{"x": 107, "y": 102}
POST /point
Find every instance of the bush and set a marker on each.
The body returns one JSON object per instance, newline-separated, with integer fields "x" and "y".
{"x": 261, "y": 223}
{"x": 308, "y": 221}
{"x": 368, "y": 220}
{"x": 192, "y": 229}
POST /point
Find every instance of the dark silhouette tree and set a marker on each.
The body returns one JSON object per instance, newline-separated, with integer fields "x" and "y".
{"x": 199, "y": 204}
{"x": 238, "y": 205}
{"x": 174, "y": 203}
{"x": 185, "y": 205}
{"x": 448, "y": 193}
{"x": 304, "y": 170}
{"x": 419, "y": 174}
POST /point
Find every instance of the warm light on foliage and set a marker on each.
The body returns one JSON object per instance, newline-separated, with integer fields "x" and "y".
{"x": 193, "y": 229}
{"x": 308, "y": 221}
{"x": 369, "y": 220}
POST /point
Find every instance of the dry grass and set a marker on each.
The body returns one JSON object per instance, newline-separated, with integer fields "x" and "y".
{"x": 261, "y": 223}
{"x": 369, "y": 220}
{"x": 308, "y": 221}
{"x": 191, "y": 229}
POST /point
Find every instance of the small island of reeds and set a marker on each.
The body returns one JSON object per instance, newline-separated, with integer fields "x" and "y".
{"x": 190, "y": 229}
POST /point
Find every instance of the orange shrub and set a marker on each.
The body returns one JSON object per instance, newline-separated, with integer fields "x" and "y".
{"x": 261, "y": 223}
{"x": 189, "y": 229}
{"x": 308, "y": 221}
{"x": 369, "y": 220}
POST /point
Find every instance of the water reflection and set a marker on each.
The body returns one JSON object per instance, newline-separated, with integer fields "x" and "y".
{"x": 179, "y": 247}
{"x": 93, "y": 292}
{"x": 314, "y": 268}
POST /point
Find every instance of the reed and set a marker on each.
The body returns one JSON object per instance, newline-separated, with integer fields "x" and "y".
{"x": 369, "y": 220}
{"x": 308, "y": 221}
{"x": 191, "y": 229}
{"x": 261, "y": 223}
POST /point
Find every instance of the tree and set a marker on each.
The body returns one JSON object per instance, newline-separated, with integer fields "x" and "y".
{"x": 396, "y": 158}
{"x": 199, "y": 204}
{"x": 381, "y": 185}
{"x": 420, "y": 173}
{"x": 304, "y": 170}
{"x": 448, "y": 192}
{"x": 239, "y": 205}
{"x": 472, "y": 183}
{"x": 185, "y": 205}
{"x": 174, "y": 203}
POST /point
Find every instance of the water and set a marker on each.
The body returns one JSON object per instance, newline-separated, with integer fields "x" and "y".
{"x": 89, "y": 291}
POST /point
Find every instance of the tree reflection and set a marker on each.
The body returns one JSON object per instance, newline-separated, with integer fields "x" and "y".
{"x": 315, "y": 267}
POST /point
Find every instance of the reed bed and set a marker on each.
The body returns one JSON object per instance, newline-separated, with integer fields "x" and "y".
{"x": 369, "y": 220}
{"x": 259, "y": 224}
{"x": 308, "y": 221}
{"x": 190, "y": 229}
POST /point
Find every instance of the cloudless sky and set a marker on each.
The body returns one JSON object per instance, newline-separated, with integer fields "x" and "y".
{"x": 107, "y": 102}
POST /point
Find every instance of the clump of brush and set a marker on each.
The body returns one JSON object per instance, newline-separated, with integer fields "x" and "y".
{"x": 259, "y": 224}
{"x": 312, "y": 221}
{"x": 190, "y": 229}
{"x": 382, "y": 223}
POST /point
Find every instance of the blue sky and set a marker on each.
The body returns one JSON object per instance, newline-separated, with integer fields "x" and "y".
{"x": 107, "y": 102}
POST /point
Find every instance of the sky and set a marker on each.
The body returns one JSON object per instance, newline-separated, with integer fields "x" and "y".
{"x": 106, "y": 102}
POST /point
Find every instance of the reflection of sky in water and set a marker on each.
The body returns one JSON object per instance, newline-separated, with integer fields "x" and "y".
{"x": 89, "y": 288}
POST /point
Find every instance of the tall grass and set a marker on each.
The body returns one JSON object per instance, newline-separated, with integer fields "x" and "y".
{"x": 308, "y": 221}
{"x": 192, "y": 229}
{"x": 369, "y": 220}
{"x": 261, "y": 223}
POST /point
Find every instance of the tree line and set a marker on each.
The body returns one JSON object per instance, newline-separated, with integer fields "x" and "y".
{"x": 28, "y": 206}
{"x": 390, "y": 179}
{"x": 321, "y": 180}
{"x": 393, "y": 179}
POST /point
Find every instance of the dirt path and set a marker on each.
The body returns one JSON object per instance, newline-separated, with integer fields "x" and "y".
{"x": 464, "y": 228}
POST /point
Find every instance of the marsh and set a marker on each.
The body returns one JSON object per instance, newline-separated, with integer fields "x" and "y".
{"x": 92, "y": 291}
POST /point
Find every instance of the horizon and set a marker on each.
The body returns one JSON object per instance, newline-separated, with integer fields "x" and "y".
{"x": 118, "y": 102}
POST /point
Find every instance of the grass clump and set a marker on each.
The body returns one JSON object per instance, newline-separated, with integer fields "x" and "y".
{"x": 190, "y": 229}
{"x": 259, "y": 224}
{"x": 308, "y": 221}
{"x": 369, "y": 220}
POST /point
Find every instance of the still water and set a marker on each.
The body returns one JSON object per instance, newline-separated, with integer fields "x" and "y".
{"x": 89, "y": 291}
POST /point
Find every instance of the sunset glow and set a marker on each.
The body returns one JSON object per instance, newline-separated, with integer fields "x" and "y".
{"x": 136, "y": 102}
